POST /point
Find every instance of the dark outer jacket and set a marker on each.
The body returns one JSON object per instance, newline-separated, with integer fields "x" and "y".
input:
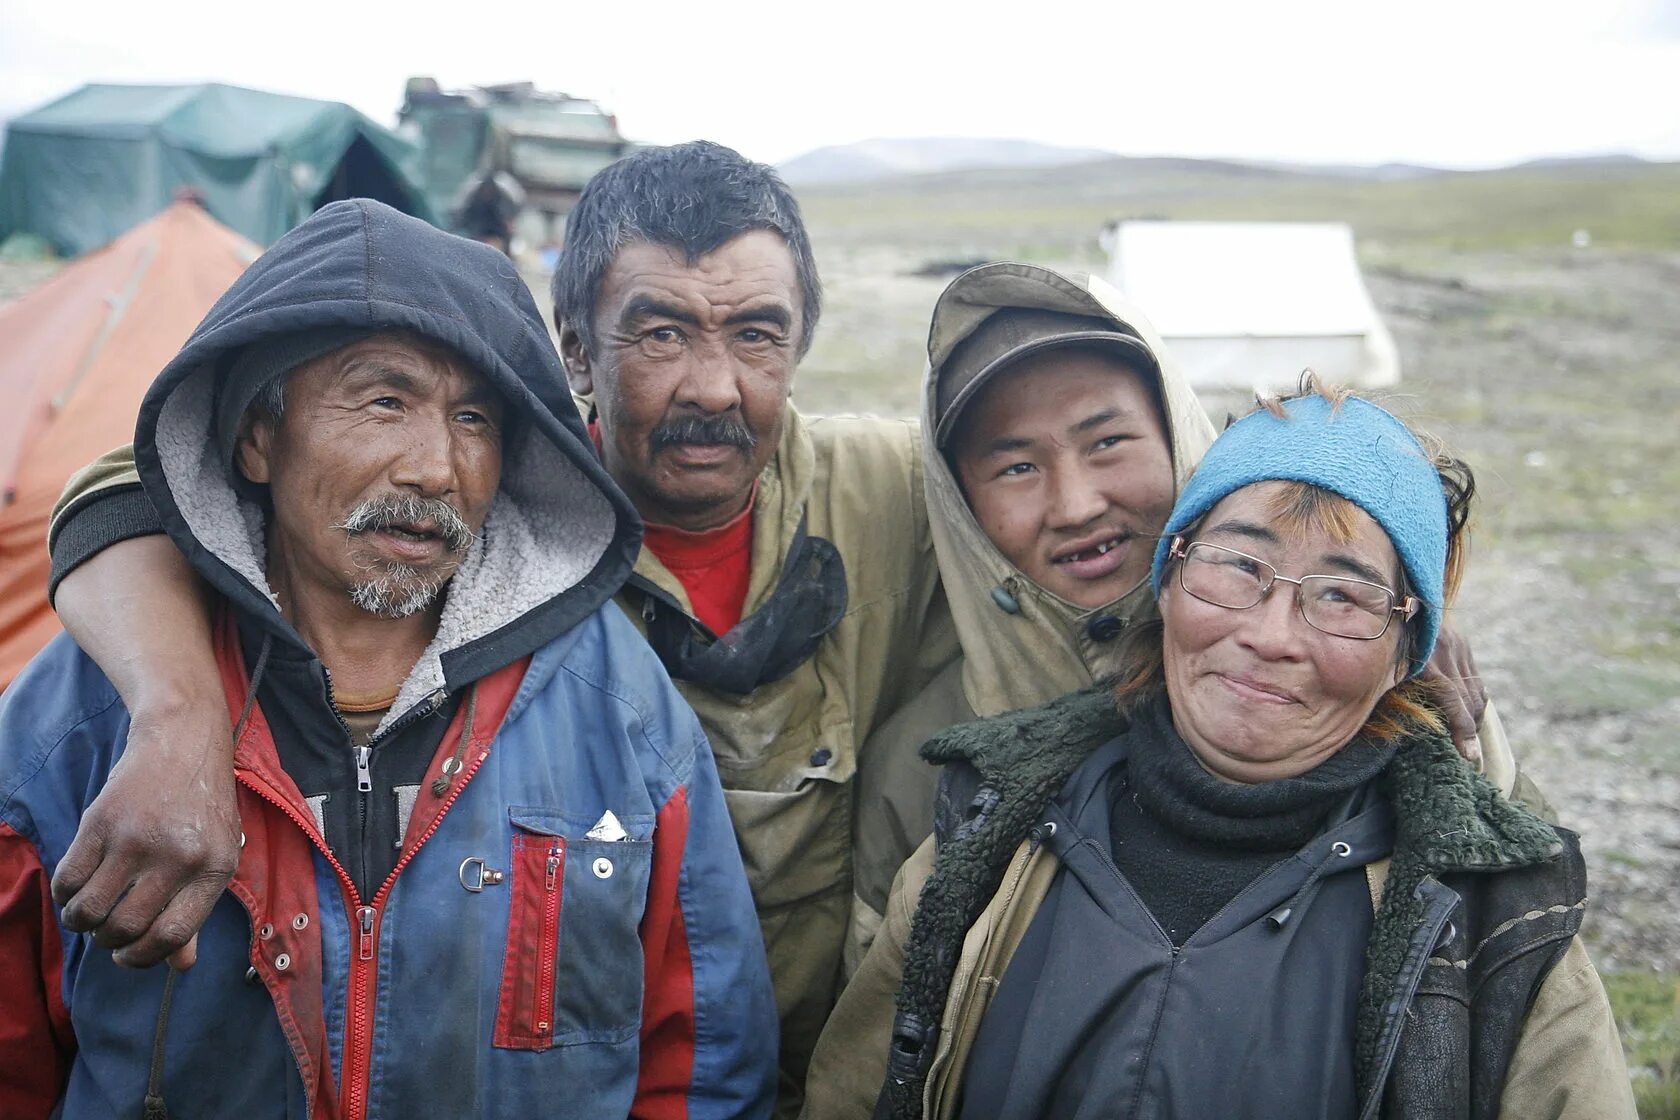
{"x": 1479, "y": 1000}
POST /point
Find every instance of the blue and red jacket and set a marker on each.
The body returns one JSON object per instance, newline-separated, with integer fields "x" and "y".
{"x": 591, "y": 978}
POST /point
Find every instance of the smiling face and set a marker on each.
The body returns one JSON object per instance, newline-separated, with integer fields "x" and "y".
{"x": 1064, "y": 460}
{"x": 692, "y": 374}
{"x": 381, "y": 469}
{"x": 1258, "y": 694}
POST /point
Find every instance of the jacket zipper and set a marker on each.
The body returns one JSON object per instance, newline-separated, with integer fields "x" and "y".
{"x": 549, "y": 944}
{"x": 364, "y": 966}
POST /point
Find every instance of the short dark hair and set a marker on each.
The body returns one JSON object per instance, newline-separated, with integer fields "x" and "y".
{"x": 693, "y": 197}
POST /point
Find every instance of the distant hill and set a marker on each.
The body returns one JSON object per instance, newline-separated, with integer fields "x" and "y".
{"x": 879, "y": 159}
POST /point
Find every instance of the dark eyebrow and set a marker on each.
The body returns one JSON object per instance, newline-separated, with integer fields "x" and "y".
{"x": 647, "y": 307}
{"x": 362, "y": 373}
{"x": 1358, "y": 569}
{"x": 1248, "y": 529}
{"x": 1004, "y": 444}
{"x": 1097, "y": 420}
{"x": 773, "y": 313}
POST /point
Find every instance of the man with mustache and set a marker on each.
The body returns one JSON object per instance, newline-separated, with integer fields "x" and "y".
{"x": 484, "y": 865}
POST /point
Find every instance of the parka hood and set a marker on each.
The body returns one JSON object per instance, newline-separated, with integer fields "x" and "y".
{"x": 560, "y": 537}
{"x": 1024, "y": 646}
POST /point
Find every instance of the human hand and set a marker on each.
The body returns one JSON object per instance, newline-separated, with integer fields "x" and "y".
{"x": 1460, "y": 694}
{"x": 159, "y": 844}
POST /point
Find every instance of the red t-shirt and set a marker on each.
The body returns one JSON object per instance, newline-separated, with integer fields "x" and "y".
{"x": 713, "y": 565}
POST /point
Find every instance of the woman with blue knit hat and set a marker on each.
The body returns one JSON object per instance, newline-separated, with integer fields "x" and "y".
{"x": 1253, "y": 878}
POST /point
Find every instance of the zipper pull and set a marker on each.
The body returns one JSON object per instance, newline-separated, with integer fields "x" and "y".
{"x": 648, "y": 609}
{"x": 364, "y": 777}
{"x": 553, "y": 868}
{"x": 364, "y": 915}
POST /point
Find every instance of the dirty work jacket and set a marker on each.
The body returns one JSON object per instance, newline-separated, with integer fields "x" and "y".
{"x": 1480, "y": 946}
{"x": 568, "y": 922}
{"x": 788, "y": 753}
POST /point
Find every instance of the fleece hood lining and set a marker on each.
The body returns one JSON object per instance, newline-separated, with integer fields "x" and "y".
{"x": 547, "y": 529}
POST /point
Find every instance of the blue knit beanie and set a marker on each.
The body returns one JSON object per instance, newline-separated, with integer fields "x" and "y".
{"x": 1357, "y": 450}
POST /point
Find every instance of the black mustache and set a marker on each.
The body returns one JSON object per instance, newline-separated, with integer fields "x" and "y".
{"x": 725, "y": 429}
{"x": 409, "y": 509}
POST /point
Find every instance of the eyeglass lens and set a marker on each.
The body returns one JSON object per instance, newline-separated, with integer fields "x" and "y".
{"x": 1345, "y": 608}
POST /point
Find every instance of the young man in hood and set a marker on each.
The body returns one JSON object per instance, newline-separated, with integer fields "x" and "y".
{"x": 788, "y": 584}
{"x": 485, "y": 867}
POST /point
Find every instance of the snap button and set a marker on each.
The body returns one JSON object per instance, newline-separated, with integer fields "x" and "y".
{"x": 602, "y": 867}
{"x": 1104, "y": 629}
{"x": 282, "y": 962}
{"x": 265, "y": 931}
{"x": 821, "y": 756}
{"x": 300, "y": 921}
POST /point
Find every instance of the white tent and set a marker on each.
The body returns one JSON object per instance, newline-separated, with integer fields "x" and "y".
{"x": 1247, "y": 305}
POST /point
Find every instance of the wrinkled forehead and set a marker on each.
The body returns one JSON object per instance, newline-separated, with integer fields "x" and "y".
{"x": 755, "y": 266}
{"x": 405, "y": 358}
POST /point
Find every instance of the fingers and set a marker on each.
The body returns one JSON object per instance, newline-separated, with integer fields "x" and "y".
{"x": 186, "y": 956}
{"x": 89, "y": 882}
{"x": 173, "y": 933}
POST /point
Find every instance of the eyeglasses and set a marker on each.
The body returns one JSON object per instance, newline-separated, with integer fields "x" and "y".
{"x": 1334, "y": 605}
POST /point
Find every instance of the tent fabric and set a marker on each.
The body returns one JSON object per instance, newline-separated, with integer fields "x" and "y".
{"x": 1246, "y": 305}
{"x": 98, "y": 161}
{"x": 80, "y": 352}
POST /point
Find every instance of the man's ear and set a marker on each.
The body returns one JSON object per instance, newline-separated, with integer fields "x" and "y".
{"x": 251, "y": 453}
{"x": 580, "y": 375}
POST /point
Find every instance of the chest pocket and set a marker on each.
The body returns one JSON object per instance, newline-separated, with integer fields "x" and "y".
{"x": 572, "y": 968}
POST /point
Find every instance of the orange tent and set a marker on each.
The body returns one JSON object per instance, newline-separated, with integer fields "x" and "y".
{"x": 76, "y": 357}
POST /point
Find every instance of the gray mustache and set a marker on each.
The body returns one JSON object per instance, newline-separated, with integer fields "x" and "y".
{"x": 725, "y": 429}
{"x": 388, "y": 510}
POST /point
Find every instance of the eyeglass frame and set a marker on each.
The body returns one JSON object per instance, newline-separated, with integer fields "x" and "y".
{"x": 1406, "y": 606}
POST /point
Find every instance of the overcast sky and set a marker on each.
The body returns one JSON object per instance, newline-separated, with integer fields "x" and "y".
{"x": 1449, "y": 82}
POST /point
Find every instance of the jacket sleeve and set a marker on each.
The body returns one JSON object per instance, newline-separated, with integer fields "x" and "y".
{"x": 708, "y": 1038}
{"x": 35, "y": 1032}
{"x": 1568, "y": 1063}
{"x": 102, "y": 504}
{"x": 849, "y": 1066}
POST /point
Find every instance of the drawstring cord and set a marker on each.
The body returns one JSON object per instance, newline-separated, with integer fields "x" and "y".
{"x": 452, "y": 764}
{"x": 154, "y": 1108}
{"x": 1280, "y": 917}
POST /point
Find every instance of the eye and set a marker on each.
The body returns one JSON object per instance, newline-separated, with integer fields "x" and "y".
{"x": 1108, "y": 442}
{"x": 472, "y": 416}
{"x": 664, "y": 335}
{"x": 386, "y": 402}
{"x": 1016, "y": 470}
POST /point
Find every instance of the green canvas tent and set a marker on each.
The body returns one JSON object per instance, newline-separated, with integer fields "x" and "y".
{"x": 98, "y": 161}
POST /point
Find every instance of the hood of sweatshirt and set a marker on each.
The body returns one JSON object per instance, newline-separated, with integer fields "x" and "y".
{"x": 559, "y": 538}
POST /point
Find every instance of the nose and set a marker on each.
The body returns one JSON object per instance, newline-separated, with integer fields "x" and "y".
{"x": 425, "y": 463}
{"x": 712, "y": 380}
{"x": 1273, "y": 628}
{"x": 1075, "y": 500}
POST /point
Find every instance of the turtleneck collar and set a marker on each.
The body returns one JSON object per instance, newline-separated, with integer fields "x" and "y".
{"x": 1174, "y": 788}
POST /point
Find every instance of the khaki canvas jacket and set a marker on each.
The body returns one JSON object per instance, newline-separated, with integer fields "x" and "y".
{"x": 1044, "y": 649}
{"x": 788, "y": 753}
